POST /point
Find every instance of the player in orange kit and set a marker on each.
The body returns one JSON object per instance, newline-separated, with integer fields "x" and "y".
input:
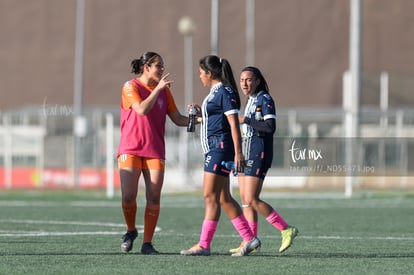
{"x": 146, "y": 101}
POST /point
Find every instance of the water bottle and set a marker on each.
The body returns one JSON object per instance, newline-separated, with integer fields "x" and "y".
{"x": 258, "y": 116}
{"x": 191, "y": 119}
{"x": 230, "y": 165}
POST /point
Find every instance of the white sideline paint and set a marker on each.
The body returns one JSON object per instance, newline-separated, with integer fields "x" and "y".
{"x": 4, "y": 233}
{"x": 53, "y": 204}
{"x": 42, "y": 233}
{"x": 46, "y": 234}
{"x": 3, "y": 221}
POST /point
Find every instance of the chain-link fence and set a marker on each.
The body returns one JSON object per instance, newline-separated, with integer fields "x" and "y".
{"x": 37, "y": 149}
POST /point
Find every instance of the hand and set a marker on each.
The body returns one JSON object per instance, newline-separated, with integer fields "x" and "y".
{"x": 240, "y": 163}
{"x": 241, "y": 119}
{"x": 164, "y": 82}
{"x": 196, "y": 106}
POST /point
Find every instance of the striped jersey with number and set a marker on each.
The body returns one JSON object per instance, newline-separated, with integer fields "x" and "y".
{"x": 220, "y": 102}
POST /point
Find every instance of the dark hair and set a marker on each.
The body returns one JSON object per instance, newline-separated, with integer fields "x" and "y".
{"x": 221, "y": 70}
{"x": 138, "y": 64}
{"x": 258, "y": 75}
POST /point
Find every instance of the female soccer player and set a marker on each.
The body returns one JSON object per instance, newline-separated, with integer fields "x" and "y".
{"x": 146, "y": 101}
{"x": 258, "y": 128}
{"x": 221, "y": 141}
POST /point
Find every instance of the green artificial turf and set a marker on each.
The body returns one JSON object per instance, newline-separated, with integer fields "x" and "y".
{"x": 79, "y": 232}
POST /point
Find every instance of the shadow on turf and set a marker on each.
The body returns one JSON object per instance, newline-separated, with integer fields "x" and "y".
{"x": 108, "y": 253}
{"x": 348, "y": 255}
{"x": 295, "y": 255}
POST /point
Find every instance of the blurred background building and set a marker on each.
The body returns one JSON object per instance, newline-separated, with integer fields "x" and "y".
{"x": 301, "y": 46}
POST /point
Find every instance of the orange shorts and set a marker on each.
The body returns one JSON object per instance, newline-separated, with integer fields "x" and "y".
{"x": 127, "y": 160}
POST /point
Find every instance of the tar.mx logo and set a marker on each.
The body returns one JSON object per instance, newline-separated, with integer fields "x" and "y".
{"x": 55, "y": 109}
{"x": 298, "y": 153}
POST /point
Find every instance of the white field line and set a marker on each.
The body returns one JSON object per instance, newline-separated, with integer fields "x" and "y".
{"x": 323, "y": 237}
{"x": 49, "y": 234}
{"x": 42, "y": 233}
{"x": 185, "y": 202}
{"x": 54, "y": 204}
{"x": 103, "y": 224}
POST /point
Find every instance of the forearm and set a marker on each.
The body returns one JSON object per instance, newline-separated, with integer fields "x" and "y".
{"x": 266, "y": 126}
{"x": 236, "y": 136}
{"x": 178, "y": 119}
{"x": 145, "y": 106}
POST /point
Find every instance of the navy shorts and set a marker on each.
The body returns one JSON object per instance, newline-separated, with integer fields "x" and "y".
{"x": 212, "y": 162}
{"x": 259, "y": 156}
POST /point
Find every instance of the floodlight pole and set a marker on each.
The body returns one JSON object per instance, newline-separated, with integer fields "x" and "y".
{"x": 250, "y": 26}
{"x": 355, "y": 60}
{"x": 78, "y": 121}
{"x": 352, "y": 128}
{"x": 215, "y": 8}
{"x": 186, "y": 27}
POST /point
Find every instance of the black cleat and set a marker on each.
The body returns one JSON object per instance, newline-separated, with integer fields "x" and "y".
{"x": 148, "y": 249}
{"x": 128, "y": 240}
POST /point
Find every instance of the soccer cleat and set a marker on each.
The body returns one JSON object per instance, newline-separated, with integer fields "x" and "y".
{"x": 148, "y": 249}
{"x": 128, "y": 240}
{"x": 287, "y": 237}
{"x": 248, "y": 247}
{"x": 196, "y": 250}
{"x": 235, "y": 250}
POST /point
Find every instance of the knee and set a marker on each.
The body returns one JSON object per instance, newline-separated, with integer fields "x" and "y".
{"x": 154, "y": 200}
{"x": 128, "y": 199}
{"x": 210, "y": 199}
{"x": 250, "y": 202}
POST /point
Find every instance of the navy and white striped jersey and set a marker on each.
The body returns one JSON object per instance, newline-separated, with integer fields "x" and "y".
{"x": 220, "y": 102}
{"x": 262, "y": 103}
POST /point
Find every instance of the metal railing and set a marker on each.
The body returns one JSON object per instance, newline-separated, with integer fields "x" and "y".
{"x": 43, "y": 141}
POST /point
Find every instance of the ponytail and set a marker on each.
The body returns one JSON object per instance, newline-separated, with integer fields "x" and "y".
{"x": 221, "y": 70}
{"x": 138, "y": 64}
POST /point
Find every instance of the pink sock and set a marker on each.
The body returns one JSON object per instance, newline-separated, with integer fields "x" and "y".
{"x": 276, "y": 220}
{"x": 242, "y": 226}
{"x": 207, "y": 233}
{"x": 253, "y": 227}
